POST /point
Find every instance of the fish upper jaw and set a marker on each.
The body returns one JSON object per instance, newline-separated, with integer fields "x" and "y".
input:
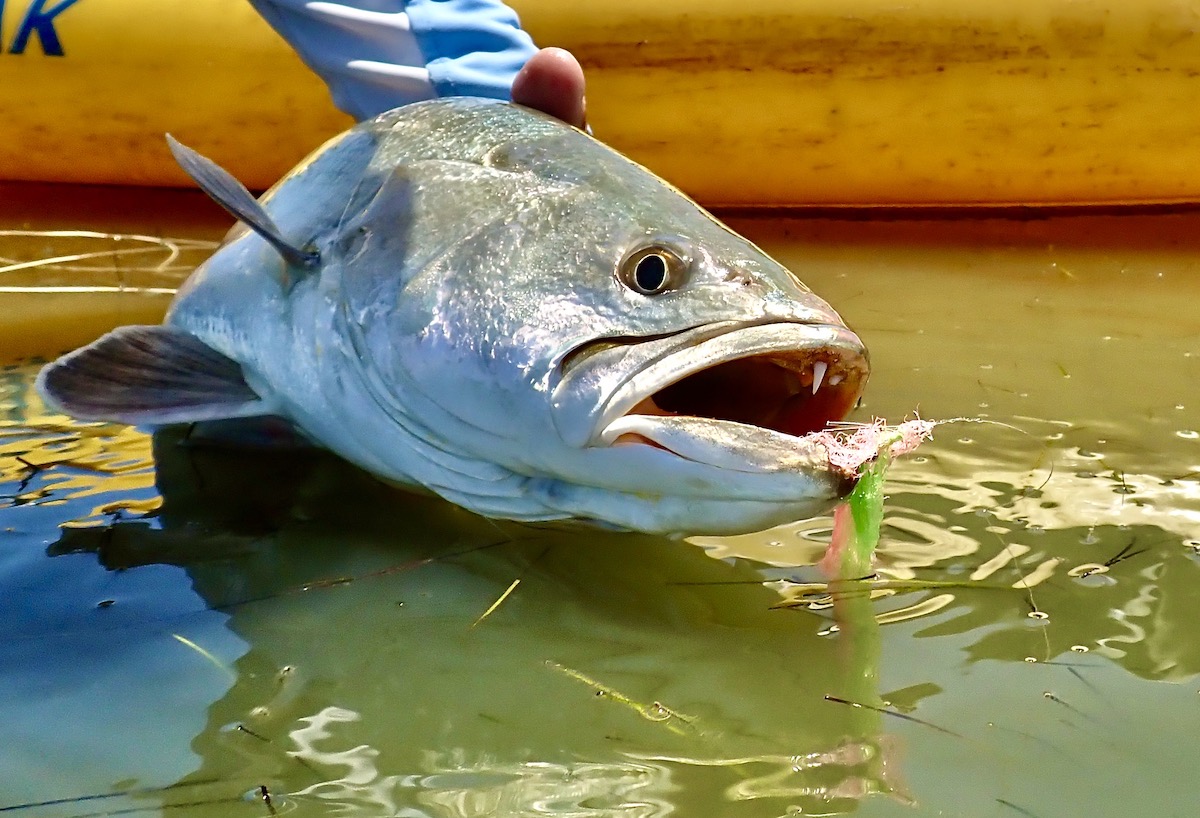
{"x": 739, "y": 398}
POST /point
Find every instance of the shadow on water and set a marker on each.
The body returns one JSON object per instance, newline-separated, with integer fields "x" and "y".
{"x": 619, "y": 670}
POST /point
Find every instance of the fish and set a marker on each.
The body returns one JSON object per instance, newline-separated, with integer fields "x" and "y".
{"x": 470, "y": 298}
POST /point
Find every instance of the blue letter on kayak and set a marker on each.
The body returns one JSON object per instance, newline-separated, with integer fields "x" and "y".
{"x": 42, "y": 21}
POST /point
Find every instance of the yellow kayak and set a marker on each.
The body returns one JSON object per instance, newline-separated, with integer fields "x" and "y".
{"x": 760, "y": 102}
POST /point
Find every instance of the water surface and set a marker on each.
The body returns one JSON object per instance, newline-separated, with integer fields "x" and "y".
{"x": 182, "y": 625}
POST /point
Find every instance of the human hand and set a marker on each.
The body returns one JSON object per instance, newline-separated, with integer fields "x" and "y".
{"x": 552, "y": 82}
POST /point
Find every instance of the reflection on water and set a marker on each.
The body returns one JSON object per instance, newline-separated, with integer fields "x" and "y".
{"x": 356, "y": 611}
{"x": 183, "y": 624}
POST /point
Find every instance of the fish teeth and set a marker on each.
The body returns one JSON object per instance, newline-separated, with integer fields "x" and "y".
{"x": 818, "y": 375}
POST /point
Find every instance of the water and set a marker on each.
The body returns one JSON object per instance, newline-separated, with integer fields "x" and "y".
{"x": 182, "y": 625}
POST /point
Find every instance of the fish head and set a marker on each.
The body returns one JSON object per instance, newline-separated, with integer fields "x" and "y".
{"x": 581, "y": 323}
{"x": 706, "y": 376}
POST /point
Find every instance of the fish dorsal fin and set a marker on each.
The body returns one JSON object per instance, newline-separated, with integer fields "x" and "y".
{"x": 148, "y": 374}
{"x": 232, "y": 195}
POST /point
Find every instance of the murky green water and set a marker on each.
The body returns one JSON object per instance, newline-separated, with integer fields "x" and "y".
{"x": 181, "y": 625}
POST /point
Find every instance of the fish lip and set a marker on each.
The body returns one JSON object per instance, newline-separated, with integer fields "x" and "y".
{"x": 704, "y": 348}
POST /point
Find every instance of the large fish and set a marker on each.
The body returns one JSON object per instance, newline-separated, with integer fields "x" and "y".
{"x": 471, "y": 297}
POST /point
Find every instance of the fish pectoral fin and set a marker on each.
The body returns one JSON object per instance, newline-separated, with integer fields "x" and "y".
{"x": 232, "y": 195}
{"x": 148, "y": 374}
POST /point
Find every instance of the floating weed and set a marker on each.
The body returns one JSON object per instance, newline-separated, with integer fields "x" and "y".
{"x": 99, "y": 799}
{"x": 802, "y": 594}
{"x": 183, "y": 640}
{"x": 498, "y": 602}
{"x": 888, "y": 712}
{"x": 1015, "y": 808}
{"x": 508, "y": 591}
{"x": 678, "y": 723}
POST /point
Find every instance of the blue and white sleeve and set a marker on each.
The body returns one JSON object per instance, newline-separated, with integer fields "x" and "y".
{"x": 379, "y": 54}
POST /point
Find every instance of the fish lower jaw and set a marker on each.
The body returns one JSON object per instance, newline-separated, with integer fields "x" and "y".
{"x": 721, "y": 444}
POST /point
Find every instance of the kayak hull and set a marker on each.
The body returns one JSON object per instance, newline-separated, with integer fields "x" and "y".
{"x": 761, "y": 103}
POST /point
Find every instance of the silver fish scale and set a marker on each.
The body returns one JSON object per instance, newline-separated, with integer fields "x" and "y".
{"x": 467, "y": 128}
{"x": 467, "y": 247}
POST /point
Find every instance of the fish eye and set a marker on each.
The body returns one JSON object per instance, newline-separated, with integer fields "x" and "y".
{"x": 652, "y": 270}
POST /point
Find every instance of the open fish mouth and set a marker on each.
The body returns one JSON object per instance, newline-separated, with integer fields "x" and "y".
{"x": 741, "y": 398}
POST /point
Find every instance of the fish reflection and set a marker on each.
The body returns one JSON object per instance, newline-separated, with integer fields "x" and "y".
{"x": 372, "y": 681}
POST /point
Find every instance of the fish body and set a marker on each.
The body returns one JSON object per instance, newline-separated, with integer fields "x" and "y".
{"x": 479, "y": 300}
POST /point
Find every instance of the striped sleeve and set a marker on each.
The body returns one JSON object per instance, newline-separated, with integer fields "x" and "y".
{"x": 379, "y": 54}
